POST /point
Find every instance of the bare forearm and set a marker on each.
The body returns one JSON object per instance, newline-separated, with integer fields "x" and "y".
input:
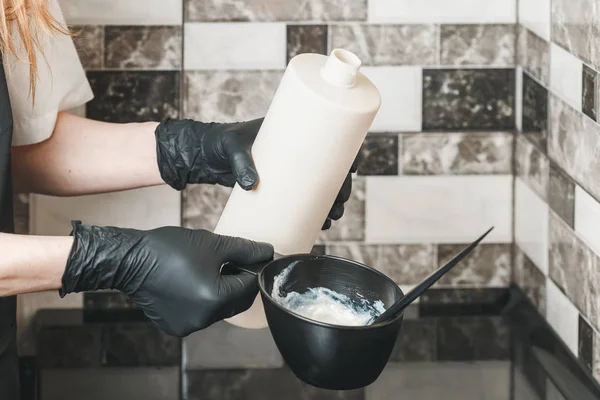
{"x": 86, "y": 157}
{"x": 32, "y": 263}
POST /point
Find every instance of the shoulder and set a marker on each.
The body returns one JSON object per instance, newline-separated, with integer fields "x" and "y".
{"x": 61, "y": 85}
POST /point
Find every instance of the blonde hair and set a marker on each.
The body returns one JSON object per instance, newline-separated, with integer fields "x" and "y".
{"x": 29, "y": 17}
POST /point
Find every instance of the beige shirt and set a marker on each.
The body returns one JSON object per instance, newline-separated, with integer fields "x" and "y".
{"x": 61, "y": 85}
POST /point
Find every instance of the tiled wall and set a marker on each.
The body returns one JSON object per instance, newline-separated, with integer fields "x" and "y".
{"x": 436, "y": 168}
{"x": 557, "y": 189}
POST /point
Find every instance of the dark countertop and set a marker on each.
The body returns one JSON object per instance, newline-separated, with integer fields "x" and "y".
{"x": 488, "y": 344}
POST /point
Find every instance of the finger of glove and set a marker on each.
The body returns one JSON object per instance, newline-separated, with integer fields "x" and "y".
{"x": 327, "y": 224}
{"x": 345, "y": 191}
{"x": 354, "y": 167}
{"x": 243, "y": 251}
{"x": 242, "y": 164}
{"x": 238, "y": 293}
{"x": 337, "y": 211}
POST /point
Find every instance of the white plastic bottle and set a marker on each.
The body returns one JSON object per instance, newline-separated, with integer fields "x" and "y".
{"x": 312, "y": 132}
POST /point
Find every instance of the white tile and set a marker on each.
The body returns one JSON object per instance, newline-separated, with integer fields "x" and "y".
{"x": 535, "y": 16}
{"x": 587, "y": 219}
{"x": 139, "y": 209}
{"x": 443, "y": 11}
{"x": 562, "y": 315}
{"x": 519, "y": 98}
{"x": 531, "y": 225}
{"x": 401, "y": 94}
{"x": 565, "y": 75}
{"x": 439, "y": 209}
{"x": 234, "y": 46}
{"x": 123, "y": 12}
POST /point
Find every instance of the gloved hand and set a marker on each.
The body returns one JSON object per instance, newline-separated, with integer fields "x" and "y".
{"x": 197, "y": 152}
{"x": 171, "y": 273}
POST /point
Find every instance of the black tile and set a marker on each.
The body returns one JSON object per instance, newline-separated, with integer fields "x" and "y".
{"x": 590, "y": 90}
{"x": 27, "y": 377}
{"x": 468, "y": 99}
{"x": 134, "y": 96}
{"x": 586, "y": 344}
{"x": 534, "y": 122}
{"x": 561, "y": 195}
{"x": 139, "y": 345}
{"x": 306, "y": 39}
{"x": 417, "y": 340}
{"x": 143, "y": 47}
{"x": 264, "y": 384}
{"x": 69, "y": 346}
{"x": 473, "y": 338}
{"x": 106, "y": 300}
{"x": 379, "y": 155}
{"x": 318, "y": 250}
{"x": 476, "y": 301}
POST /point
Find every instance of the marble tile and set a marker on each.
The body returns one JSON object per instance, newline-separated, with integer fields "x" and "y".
{"x": 562, "y": 316}
{"x": 234, "y": 46}
{"x": 413, "y": 381}
{"x": 89, "y": 43}
{"x": 534, "y": 123}
{"x": 21, "y": 213}
{"x": 565, "y": 76}
{"x": 410, "y": 44}
{"x": 306, "y": 39}
{"x": 146, "y": 208}
{"x": 225, "y": 96}
{"x": 561, "y": 195}
{"x": 405, "y": 264}
{"x": 106, "y": 301}
{"x": 575, "y": 27}
{"x": 139, "y": 345}
{"x": 263, "y": 10}
{"x": 489, "y": 265}
{"x": 574, "y": 143}
{"x": 417, "y": 341}
{"x": 224, "y": 345}
{"x": 203, "y": 205}
{"x": 442, "y": 11}
{"x": 133, "y": 96}
{"x": 590, "y": 92}
{"x": 352, "y": 225}
{"x": 379, "y": 155}
{"x": 476, "y": 203}
{"x": 401, "y": 91}
{"x": 575, "y": 269}
{"x": 473, "y": 338}
{"x": 319, "y": 250}
{"x": 534, "y": 54}
{"x": 518, "y": 97}
{"x": 531, "y": 225}
{"x": 456, "y": 153}
{"x": 269, "y": 384}
{"x": 110, "y": 383}
{"x": 455, "y": 99}
{"x": 143, "y": 47}
{"x": 535, "y": 16}
{"x": 530, "y": 279}
{"x": 532, "y": 166}
{"x": 487, "y": 44}
{"x": 586, "y": 344}
{"x": 70, "y": 346}
{"x": 118, "y": 12}
{"x": 587, "y": 219}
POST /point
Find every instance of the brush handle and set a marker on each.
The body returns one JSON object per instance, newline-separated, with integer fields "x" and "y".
{"x": 418, "y": 290}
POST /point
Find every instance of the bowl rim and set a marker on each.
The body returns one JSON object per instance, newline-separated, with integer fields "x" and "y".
{"x": 261, "y": 285}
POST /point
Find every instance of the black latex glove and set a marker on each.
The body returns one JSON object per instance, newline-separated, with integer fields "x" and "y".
{"x": 197, "y": 152}
{"x": 171, "y": 273}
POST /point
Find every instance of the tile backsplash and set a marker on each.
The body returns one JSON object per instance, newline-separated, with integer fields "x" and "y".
{"x": 472, "y": 97}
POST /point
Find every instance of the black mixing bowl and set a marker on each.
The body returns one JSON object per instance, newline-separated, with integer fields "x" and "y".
{"x": 325, "y": 355}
